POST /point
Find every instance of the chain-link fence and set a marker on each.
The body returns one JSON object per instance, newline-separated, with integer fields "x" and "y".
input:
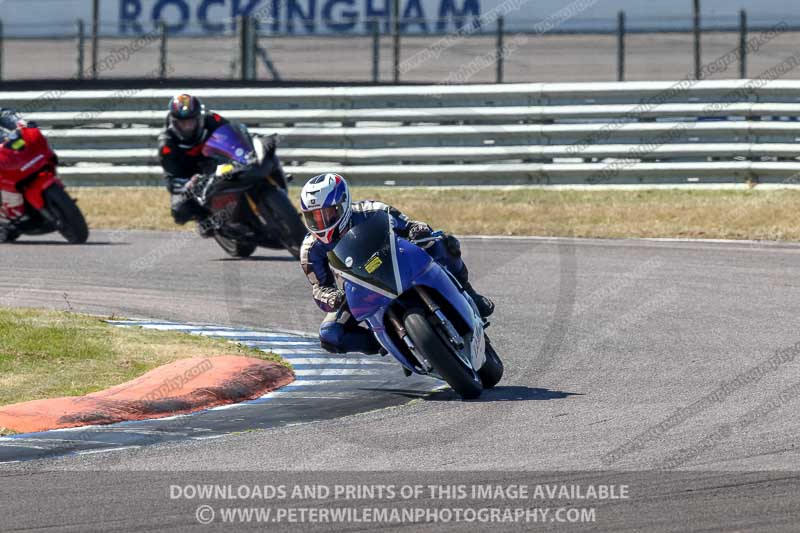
{"x": 474, "y": 54}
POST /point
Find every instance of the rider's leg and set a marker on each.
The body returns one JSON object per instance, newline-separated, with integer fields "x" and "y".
{"x": 185, "y": 209}
{"x": 13, "y": 204}
{"x": 340, "y": 333}
{"x": 447, "y": 252}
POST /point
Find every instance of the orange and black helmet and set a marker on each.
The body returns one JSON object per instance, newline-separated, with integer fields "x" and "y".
{"x": 186, "y": 117}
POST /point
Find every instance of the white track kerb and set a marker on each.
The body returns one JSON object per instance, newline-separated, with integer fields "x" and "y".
{"x": 327, "y": 386}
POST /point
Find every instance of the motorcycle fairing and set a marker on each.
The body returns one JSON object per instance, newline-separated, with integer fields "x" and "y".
{"x": 229, "y": 142}
{"x": 372, "y": 284}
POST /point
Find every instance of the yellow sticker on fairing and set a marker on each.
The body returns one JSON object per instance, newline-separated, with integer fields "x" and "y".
{"x": 373, "y": 264}
{"x": 222, "y": 170}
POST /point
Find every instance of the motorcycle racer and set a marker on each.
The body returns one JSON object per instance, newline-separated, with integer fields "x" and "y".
{"x": 11, "y": 200}
{"x": 180, "y": 147}
{"x": 328, "y": 213}
{"x": 179, "y": 151}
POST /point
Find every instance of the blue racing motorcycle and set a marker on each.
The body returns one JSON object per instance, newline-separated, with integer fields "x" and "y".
{"x": 415, "y": 308}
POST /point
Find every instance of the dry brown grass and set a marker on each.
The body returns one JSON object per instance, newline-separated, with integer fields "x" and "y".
{"x": 754, "y": 214}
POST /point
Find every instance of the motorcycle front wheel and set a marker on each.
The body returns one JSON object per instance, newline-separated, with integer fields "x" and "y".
{"x": 235, "y": 248}
{"x": 69, "y": 220}
{"x": 461, "y": 379}
{"x": 492, "y": 370}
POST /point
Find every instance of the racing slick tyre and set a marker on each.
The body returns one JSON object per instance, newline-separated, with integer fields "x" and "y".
{"x": 461, "y": 378}
{"x": 68, "y": 218}
{"x": 235, "y": 248}
{"x": 492, "y": 370}
{"x": 279, "y": 211}
{"x": 8, "y": 235}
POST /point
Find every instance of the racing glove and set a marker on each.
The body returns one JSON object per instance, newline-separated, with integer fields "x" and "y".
{"x": 420, "y": 230}
{"x": 177, "y": 185}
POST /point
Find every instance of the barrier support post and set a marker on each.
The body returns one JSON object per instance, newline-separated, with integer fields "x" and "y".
{"x": 396, "y": 40}
{"x": 621, "y": 46}
{"x": 95, "y": 36}
{"x": 376, "y": 50}
{"x": 81, "y": 48}
{"x": 697, "y": 51}
{"x": 162, "y": 51}
{"x": 742, "y": 44}
{"x": 1, "y": 50}
{"x": 499, "y": 53}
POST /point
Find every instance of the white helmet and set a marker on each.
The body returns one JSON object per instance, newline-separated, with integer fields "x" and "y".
{"x": 326, "y": 205}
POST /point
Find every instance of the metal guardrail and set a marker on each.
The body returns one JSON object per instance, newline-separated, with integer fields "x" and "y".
{"x": 634, "y": 132}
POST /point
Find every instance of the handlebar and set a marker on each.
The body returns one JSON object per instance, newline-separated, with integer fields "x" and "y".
{"x": 435, "y": 236}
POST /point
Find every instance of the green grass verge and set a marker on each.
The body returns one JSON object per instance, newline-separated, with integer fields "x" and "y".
{"x": 46, "y": 354}
{"x": 751, "y": 214}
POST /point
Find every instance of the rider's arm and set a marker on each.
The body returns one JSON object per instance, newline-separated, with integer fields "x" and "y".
{"x": 175, "y": 172}
{"x": 403, "y": 226}
{"x": 413, "y": 229}
{"x": 314, "y": 262}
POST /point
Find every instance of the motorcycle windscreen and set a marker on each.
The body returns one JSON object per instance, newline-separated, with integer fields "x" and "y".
{"x": 365, "y": 253}
{"x": 229, "y": 143}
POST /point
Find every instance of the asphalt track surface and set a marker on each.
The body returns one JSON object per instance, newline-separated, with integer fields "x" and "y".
{"x": 623, "y": 358}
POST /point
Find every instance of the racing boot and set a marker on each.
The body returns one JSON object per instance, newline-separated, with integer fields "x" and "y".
{"x": 205, "y": 228}
{"x": 7, "y": 232}
{"x": 484, "y": 304}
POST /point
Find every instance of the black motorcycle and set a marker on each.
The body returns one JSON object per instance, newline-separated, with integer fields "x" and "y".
{"x": 246, "y": 195}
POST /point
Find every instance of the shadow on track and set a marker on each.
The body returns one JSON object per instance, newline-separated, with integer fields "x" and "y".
{"x": 511, "y": 393}
{"x": 65, "y": 243}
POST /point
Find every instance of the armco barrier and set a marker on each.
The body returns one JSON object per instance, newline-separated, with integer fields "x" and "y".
{"x": 632, "y": 132}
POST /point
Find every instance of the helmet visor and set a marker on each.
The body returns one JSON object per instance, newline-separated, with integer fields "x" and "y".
{"x": 324, "y": 218}
{"x": 186, "y": 128}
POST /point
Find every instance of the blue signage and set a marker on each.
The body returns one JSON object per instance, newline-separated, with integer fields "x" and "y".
{"x": 294, "y": 16}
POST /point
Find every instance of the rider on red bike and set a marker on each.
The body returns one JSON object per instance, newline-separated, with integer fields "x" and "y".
{"x": 11, "y": 201}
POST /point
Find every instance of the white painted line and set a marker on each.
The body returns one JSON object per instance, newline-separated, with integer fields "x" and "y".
{"x": 227, "y": 406}
{"x": 288, "y": 354}
{"x": 303, "y": 382}
{"x": 165, "y": 327}
{"x": 108, "y": 450}
{"x": 113, "y": 430}
{"x": 6, "y": 445}
{"x": 77, "y": 428}
{"x": 9, "y": 462}
{"x": 270, "y": 344}
{"x": 335, "y": 372}
{"x": 26, "y": 439}
{"x": 208, "y": 437}
{"x": 246, "y": 334}
{"x": 332, "y": 361}
{"x": 627, "y": 240}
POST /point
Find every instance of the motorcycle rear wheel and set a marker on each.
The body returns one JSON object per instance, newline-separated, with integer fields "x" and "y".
{"x": 279, "y": 211}
{"x": 235, "y": 248}
{"x": 70, "y": 222}
{"x": 461, "y": 379}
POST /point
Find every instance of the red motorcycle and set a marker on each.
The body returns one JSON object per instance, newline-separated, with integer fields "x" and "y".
{"x": 28, "y": 166}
